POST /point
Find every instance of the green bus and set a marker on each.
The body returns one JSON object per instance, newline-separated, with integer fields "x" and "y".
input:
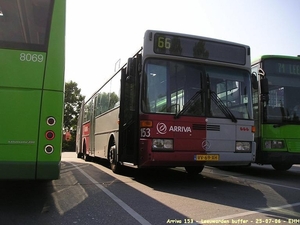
{"x": 32, "y": 40}
{"x": 277, "y": 110}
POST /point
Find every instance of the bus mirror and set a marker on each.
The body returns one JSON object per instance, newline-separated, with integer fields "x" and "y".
{"x": 139, "y": 62}
{"x": 130, "y": 70}
{"x": 254, "y": 81}
{"x": 131, "y": 67}
{"x": 261, "y": 72}
{"x": 129, "y": 79}
{"x": 264, "y": 86}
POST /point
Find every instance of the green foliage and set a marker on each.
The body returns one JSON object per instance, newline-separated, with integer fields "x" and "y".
{"x": 69, "y": 146}
{"x": 73, "y": 101}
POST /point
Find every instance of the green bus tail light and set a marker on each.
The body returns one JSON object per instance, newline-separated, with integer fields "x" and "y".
{"x": 49, "y": 149}
{"x": 51, "y": 121}
{"x": 278, "y": 144}
{"x": 50, "y": 134}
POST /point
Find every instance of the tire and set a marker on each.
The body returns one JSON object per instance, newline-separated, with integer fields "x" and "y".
{"x": 194, "y": 170}
{"x": 88, "y": 158}
{"x": 79, "y": 155}
{"x": 83, "y": 154}
{"x": 112, "y": 157}
{"x": 282, "y": 166}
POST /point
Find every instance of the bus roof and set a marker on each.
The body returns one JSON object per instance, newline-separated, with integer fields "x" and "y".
{"x": 263, "y": 57}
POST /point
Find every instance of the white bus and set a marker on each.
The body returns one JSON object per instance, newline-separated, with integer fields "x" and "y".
{"x": 181, "y": 101}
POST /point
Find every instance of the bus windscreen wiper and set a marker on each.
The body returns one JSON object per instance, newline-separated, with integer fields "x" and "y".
{"x": 286, "y": 122}
{"x": 280, "y": 125}
{"x": 222, "y": 106}
{"x": 190, "y": 102}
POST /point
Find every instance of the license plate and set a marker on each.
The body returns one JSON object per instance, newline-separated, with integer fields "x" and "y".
{"x": 206, "y": 157}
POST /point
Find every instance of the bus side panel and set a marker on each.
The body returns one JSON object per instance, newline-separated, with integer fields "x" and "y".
{"x": 105, "y": 125}
{"x": 54, "y": 79}
{"x": 19, "y": 119}
{"x": 48, "y": 165}
{"x": 79, "y": 133}
{"x": 86, "y": 138}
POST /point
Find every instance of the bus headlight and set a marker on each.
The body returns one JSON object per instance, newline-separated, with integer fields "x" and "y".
{"x": 243, "y": 146}
{"x": 274, "y": 144}
{"x": 162, "y": 145}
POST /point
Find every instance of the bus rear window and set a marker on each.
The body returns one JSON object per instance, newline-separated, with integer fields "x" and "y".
{"x": 24, "y": 24}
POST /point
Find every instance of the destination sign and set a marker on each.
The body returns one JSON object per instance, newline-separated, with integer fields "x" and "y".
{"x": 282, "y": 66}
{"x": 199, "y": 48}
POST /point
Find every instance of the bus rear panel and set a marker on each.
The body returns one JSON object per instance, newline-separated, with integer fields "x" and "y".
{"x": 31, "y": 88}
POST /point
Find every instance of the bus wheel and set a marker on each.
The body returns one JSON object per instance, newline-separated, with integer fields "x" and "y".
{"x": 282, "y": 166}
{"x": 194, "y": 170}
{"x": 79, "y": 155}
{"x": 83, "y": 154}
{"x": 87, "y": 158}
{"x": 112, "y": 157}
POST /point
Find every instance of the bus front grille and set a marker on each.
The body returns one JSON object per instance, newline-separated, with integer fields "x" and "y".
{"x": 206, "y": 127}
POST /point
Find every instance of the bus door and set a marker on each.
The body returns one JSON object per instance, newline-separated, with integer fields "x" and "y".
{"x": 129, "y": 114}
{"x": 92, "y": 128}
{"x": 79, "y": 132}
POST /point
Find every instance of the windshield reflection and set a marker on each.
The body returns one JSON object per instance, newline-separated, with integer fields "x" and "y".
{"x": 284, "y": 105}
{"x": 183, "y": 88}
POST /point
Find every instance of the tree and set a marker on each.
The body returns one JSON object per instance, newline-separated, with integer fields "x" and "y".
{"x": 73, "y": 101}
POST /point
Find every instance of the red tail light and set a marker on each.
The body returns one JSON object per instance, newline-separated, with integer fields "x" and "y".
{"x": 50, "y": 135}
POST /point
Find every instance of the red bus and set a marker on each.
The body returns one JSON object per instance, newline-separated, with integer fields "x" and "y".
{"x": 181, "y": 101}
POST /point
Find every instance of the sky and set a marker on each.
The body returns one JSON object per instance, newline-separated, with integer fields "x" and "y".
{"x": 101, "y": 33}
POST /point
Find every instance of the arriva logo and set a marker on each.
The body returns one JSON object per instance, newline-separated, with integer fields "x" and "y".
{"x": 162, "y": 128}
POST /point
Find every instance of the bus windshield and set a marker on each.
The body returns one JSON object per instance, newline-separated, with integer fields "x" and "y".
{"x": 206, "y": 90}
{"x": 284, "y": 99}
{"x": 24, "y": 24}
